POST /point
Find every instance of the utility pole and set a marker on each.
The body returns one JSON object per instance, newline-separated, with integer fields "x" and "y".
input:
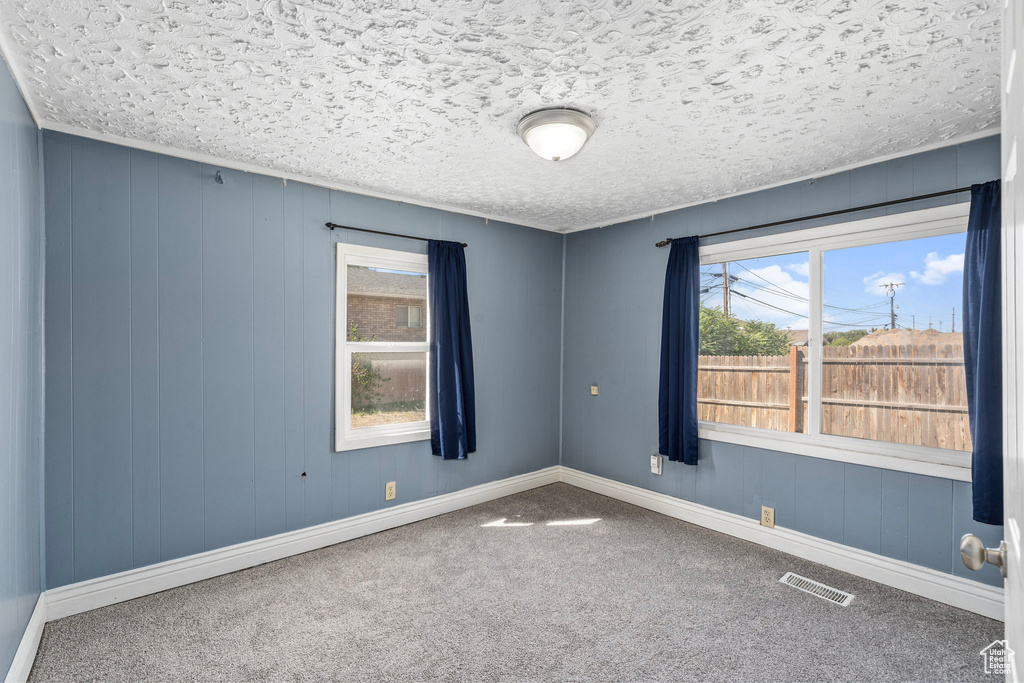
{"x": 890, "y": 289}
{"x": 954, "y": 320}
{"x": 913, "y": 322}
{"x": 725, "y": 289}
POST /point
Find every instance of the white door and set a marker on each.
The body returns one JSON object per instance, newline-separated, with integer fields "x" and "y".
{"x": 1013, "y": 328}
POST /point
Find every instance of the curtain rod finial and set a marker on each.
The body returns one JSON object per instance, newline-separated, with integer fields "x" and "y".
{"x": 664, "y": 243}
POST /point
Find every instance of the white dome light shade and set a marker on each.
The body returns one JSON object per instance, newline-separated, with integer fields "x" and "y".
{"x": 556, "y": 134}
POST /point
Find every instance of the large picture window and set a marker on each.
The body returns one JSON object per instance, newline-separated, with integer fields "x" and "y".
{"x": 840, "y": 342}
{"x": 381, "y": 382}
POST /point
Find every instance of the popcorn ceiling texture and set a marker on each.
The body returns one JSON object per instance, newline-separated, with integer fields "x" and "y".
{"x": 419, "y": 99}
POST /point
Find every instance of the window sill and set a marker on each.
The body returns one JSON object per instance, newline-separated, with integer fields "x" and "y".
{"x": 940, "y": 463}
{"x": 418, "y": 432}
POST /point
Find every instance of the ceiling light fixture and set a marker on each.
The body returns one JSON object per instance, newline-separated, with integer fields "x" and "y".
{"x": 556, "y": 134}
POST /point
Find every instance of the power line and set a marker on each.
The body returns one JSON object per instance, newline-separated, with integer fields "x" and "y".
{"x": 723, "y": 279}
{"x": 775, "y": 291}
{"x": 801, "y": 299}
{"x": 763, "y": 279}
{"x": 778, "y": 290}
{"x": 765, "y": 303}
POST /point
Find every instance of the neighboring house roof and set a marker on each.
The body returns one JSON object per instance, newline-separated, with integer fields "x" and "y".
{"x": 370, "y": 282}
{"x": 797, "y": 337}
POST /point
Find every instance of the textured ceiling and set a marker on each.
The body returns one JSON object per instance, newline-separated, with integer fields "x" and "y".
{"x": 419, "y": 99}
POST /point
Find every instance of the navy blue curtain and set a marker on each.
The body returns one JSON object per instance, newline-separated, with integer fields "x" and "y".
{"x": 452, "y": 394}
{"x": 983, "y": 350}
{"x": 680, "y": 327}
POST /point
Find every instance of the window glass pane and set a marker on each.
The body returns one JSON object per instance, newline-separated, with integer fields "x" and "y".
{"x": 753, "y": 342}
{"x": 892, "y": 360}
{"x": 377, "y": 297}
{"x": 409, "y": 316}
{"x": 388, "y": 388}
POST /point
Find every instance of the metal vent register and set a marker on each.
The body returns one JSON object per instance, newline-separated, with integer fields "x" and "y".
{"x": 822, "y": 591}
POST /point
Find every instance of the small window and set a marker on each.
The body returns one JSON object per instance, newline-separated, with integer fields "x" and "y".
{"x": 409, "y": 316}
{"x": 381, "y": 364}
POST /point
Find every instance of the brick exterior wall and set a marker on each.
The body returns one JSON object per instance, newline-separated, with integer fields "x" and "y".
{"x": 375, "y": 316}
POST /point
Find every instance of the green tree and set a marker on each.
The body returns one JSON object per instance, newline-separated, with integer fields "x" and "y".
{"x": 760, "y": 338}
{"x": 723, "y": 335}
{"x": 845, "y": 337}
{"x": 366, "y": 379}
{"x": 717, "y": 333}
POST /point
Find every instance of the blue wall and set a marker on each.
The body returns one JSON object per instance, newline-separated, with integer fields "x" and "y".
{"x": 21, "y": 368}
{"x": 613, "y": 292}
{"x": 189, "y": 342}
{"x": 189, "y": 362}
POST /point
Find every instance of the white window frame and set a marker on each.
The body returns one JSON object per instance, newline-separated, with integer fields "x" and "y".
{"x": 938, "y": 462}
{"x": 346, "y": 438}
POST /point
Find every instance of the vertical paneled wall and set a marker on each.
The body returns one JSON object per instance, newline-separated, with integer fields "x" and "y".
{"x": 21, "y": 368}
{"x": 190, "y": 345}
{"x": 613, "y": 295}
{"x": 190, "y": 341}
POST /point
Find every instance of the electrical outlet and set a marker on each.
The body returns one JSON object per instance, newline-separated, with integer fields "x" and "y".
{"x": 655, "y": 464}
{"x": 768, "y": 517}
{"x": 389, "y": 491}
{"x": 593, "y": 390}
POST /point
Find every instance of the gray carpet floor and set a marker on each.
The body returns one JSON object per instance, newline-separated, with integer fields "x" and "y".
{"x": 636, "y": 596}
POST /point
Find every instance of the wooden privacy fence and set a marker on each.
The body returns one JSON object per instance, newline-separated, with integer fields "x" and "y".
{"x": 900, "y": 394}
{"x": 402, "y": 379}
{"x": 749, "y": 390}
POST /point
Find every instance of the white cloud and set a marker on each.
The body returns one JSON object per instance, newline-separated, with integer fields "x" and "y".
{"x": 781, "y": 299}
{"x": 875, "y": 283}
{"x": 937, "y": 269}
{"x": 803, "y": 268}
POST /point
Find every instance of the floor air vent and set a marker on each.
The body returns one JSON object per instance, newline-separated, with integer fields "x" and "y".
{"x": 819, "y": 589}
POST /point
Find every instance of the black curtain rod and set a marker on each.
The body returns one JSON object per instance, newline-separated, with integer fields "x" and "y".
{"x": 335, "y": 226}
{"x": 665, "y": 243}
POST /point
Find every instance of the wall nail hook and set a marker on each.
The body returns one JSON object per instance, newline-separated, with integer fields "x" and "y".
{"x": 219, "y": 178}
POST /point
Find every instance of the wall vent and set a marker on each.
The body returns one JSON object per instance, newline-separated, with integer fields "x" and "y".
{"x": 824, "y": 592}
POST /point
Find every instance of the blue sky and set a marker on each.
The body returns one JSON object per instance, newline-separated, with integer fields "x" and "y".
{"x": 776, "y": 288}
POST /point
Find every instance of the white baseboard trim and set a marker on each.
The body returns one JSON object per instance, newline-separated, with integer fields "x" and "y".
{"x": 951, "y": 590}
{"x": 108, "y": 590}
{"x": 21, "y": 667}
